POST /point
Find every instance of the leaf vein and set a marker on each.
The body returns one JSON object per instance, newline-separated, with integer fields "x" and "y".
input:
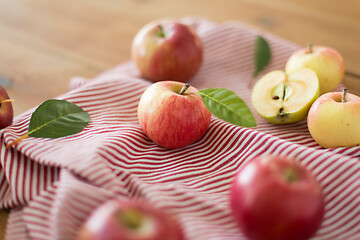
{"x": 230, "y": 109}
{"x": 47, "y": 123}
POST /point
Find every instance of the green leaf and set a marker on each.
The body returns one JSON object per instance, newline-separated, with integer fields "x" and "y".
{"x": 227, "y": 106}
{"x": 262, "y": 54}
{"x": 57, "y": 118}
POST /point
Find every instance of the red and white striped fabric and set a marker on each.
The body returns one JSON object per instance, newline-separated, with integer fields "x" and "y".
{"x": 53, "y": 184}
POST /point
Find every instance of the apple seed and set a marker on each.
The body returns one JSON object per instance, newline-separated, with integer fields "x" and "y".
{"x": 282, "y": 91}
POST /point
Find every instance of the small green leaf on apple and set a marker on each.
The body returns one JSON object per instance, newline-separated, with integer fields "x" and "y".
{"x": 227, "y": 106}
{"x": 54, "y": 119}
{"x": 262, "y": 54}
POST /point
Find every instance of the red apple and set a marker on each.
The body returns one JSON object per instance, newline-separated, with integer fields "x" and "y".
{"x": 274, "y": 197}
{"x": 167, "y": 50}
{"x": 6, "y": 109}
{"x": 116, "y": 219}
{"x": 172, "y": 114}
{"x": 334, "y": 120}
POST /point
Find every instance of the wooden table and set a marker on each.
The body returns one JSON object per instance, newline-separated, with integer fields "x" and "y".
{"x": 45, "y": 43}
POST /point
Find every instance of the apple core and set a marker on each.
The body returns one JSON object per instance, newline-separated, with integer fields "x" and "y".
{"x": 285, "y": 98}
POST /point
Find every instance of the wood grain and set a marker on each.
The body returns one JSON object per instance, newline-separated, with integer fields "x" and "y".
{"x": 45, "y": 43}
{"x": 3, "y": 219}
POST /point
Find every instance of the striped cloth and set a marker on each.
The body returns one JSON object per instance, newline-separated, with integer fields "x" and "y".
{"x": 53, "y": 184}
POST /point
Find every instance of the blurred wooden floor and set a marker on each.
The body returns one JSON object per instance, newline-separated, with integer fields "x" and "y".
{"x": 45, "y": 43}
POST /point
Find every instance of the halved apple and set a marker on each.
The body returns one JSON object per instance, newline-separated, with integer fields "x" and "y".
{"x": 285, "y": 98}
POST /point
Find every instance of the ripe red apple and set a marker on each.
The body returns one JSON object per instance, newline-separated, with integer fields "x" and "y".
{"x": 334, "y": 120}
{"x": 116, "y": 219}
{"x": 6, "y": 109}
{"x": 274, "y": 197}
{"x": 172, "y": 114}
{"x": 167, "y": 50}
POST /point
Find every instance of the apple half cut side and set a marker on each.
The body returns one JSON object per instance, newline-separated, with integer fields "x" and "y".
{"x": 285, "y": 98}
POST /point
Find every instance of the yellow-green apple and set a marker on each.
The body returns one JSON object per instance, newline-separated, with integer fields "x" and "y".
{"x": 167, "y": 50}
{"x": 334, "y": 120}
{"x": 172, "y": 114}
{"x": 285, "y": 98}
{"x": 117, "y": 219}
{"x": 275, "y": 197}
{"x": 326, "y": 62}
{"x": 6, "y": 109}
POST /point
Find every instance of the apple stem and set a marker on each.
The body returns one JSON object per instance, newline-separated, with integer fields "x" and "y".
{"x": 290, "y": 175}
{"x": 7, "y": 100}
{"x": 161, "y": 32}
{"x": 16, "y": 141}
{"x": 310, "y": 49}
{"x": 130, "y": 217}
{"x": 184, "y": 88}
{"x": 343, "y": 98}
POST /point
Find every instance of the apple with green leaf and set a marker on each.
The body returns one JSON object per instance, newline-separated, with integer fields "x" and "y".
{"x": 334, "y": 120}
{"x": 167, "y": 50}
{"x": 172, "y": 114}
{"x": 276, "y": 198}
{"x": 282, "y": 98}
{"x": 326, "y": 62}
{"x": 6, "y": 109}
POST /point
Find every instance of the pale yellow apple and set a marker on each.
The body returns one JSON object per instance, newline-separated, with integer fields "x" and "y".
{"x": 326, "y": 62}
{"x": 280, "y": 98}
{"x": 333, "y": 122}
